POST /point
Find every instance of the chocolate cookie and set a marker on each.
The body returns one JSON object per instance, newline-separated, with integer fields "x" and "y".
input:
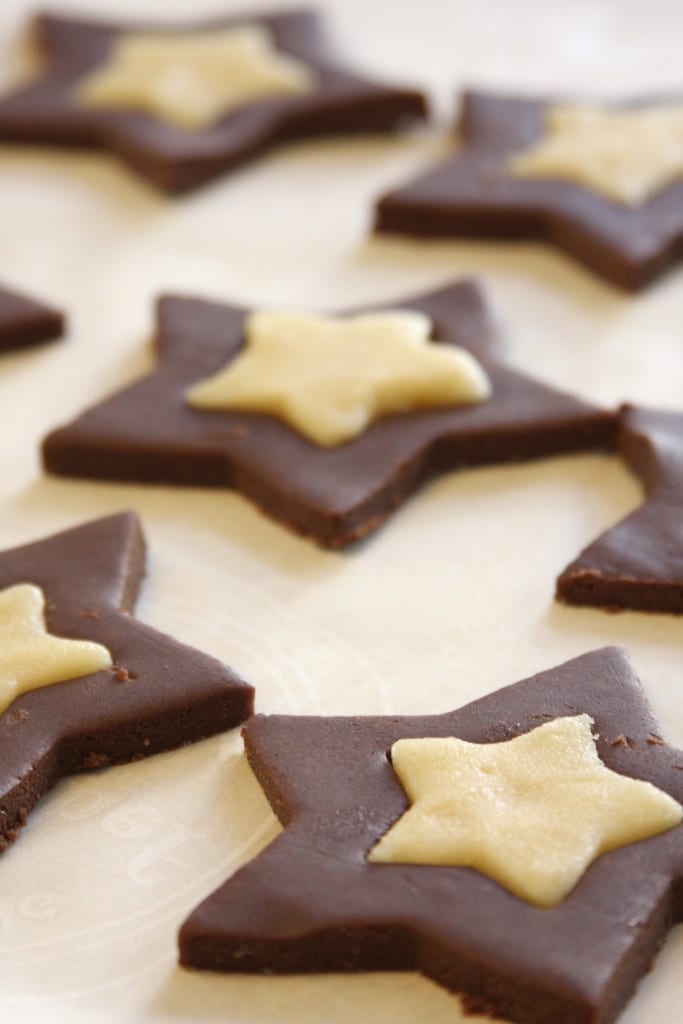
{"x": 475, "y": 195}
{"x": 336, "y": 495}
{"x": 157, "y": 694}
{"x": 49, "y": 111}
{"x": 312, "y": 901}
{"x": 25, "y": 322}
{"x": 638, "y": 563}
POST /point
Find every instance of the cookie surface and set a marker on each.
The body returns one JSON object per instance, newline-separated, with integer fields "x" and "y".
{"x": 157, "y": 695}
{"x": 638, "y": 563}
{"x": 48, "y": 111}
{"x": 24, "y": 322}
{"x": 149, "y": 433}
{"x": 312, "y": 901}
{"x": 475, "y": 195}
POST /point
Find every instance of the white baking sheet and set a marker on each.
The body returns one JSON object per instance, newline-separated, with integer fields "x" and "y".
{"x": 448, "y": 602}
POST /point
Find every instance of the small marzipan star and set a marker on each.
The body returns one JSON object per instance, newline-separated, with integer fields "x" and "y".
{"x": 191, "y": 80}
{"x": 329, "y": 378}
{"x": 532, "y": 812}
{"x": 626, "y": 155}
{"x": 30, "y": 657}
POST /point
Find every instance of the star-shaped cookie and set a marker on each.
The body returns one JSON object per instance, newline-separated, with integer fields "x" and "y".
{"x": 480, "y": 193}
{"x": 149, "y": 432}
{"x": 53, "y": 110}
{"x": 25, "y": 322}
{"x": 638, "y": 563}
{"x": 313, "y": 902}
{"x": 157, "y": 694}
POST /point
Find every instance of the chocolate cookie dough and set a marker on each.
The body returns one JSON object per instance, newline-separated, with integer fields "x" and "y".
{"x": 52, "y": 108}
{"x": 480, "y": 193}
{"x": 156, "y": 695}
{"x": 149, "y": 433}
{"x": 25, "y": 322}
{"x": 638, "y": 563}
{"x": 313, "y": 902}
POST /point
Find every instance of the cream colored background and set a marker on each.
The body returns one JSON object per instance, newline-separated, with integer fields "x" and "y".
{"x": 448, "y": 602}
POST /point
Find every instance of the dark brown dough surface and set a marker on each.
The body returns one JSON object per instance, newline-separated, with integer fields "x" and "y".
{"x": 638, "y": 563}
{"x": 24, "y": 322}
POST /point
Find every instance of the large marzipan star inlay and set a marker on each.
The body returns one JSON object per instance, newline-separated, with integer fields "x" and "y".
{"x": 30, "y": 657}
{"x": 626, "y": 155}
{"x": 329, "y": 378}
{"x": 532, "y": 812}
{"x": 193, "y": 79}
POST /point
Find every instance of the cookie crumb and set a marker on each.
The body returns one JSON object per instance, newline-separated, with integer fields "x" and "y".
{"x": 96, "y": 761}
{"x": 622, "y": 741}
{"x": 655, "y": 741}
{"x": 16, "y": 716}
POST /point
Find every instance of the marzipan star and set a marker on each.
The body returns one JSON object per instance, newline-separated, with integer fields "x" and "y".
{"x": 150, "y": 433}
{"x": 192, "y": 80}
{"x": 29, "y": 656}
{"x": 313, "y": 901}
{"x": 154, "y": 695}
{"x": 481, "y": 191}
{"x": 330, "y": 377}
{"x": 532, "y": 812}
{"x": 638, "y": 563}
{"x": 321, "y": 97}
{"x": 626, "y": 155}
